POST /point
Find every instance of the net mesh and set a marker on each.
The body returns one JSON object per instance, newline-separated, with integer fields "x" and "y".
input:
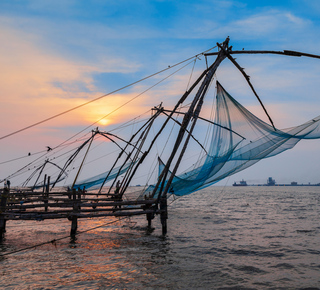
{"x": 95, "y": 181}
{"x": 239, "y": 140}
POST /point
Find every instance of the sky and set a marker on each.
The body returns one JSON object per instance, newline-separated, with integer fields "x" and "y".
{"x": 56, "y": 55}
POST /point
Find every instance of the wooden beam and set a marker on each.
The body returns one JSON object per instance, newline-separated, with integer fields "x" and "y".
{"x": 227, "y": 52}
{"x": 284, "y": 52}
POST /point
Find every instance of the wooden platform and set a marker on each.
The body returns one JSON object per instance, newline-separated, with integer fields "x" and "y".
{"x": 29, "y": 205}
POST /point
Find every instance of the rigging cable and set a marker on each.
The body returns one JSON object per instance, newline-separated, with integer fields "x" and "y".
{"x": 191, "y": 73}
{"x": 20, "y": 171}
{"x": 103, "y": 116}
{"x": 103, "y": 96}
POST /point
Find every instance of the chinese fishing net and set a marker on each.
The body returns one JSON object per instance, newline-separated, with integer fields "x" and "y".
{"x": 239, "y": 140}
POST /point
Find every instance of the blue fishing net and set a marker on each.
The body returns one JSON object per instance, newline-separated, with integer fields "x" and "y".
{"x": 239, "y": 140}
{"x": 97, "y": 180}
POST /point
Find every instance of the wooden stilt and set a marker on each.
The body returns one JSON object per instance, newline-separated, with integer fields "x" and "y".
{"x": 149, "y": 221}
{"x": 74, "y": 219}
{"x": 163, "y": 214}
{"x": 3, "y": 204}
{"x": 74, "y": 226}
{"x": 2, "y": 226}
{"x": 150, "y": 217}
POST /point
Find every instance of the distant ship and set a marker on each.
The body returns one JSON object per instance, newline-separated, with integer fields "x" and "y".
{"x": 242, "y": 183}
{"x": 271, "y": 182}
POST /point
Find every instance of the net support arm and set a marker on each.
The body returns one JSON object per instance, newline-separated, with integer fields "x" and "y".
{"x": 176, "y": 121}
{"x": 209, "y": 121}
{"x": 284, "y": 52}
{"x": 248, "y": 81}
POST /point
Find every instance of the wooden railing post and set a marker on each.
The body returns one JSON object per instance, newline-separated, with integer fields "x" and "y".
{"x": 46, "y": 195}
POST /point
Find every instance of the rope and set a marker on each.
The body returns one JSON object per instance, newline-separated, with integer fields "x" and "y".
{"x": 100, "y": 118}
{"x": 103, "y": 96}
{"x": 59, "y": 239}
{"x": 194, "y": 63}
{"x": 26, "y": 167}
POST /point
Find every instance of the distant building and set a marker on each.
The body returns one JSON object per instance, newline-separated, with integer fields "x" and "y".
{"x": 271, "y": 182}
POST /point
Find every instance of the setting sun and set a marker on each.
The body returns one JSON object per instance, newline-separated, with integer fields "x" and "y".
{"x": 104, "y": 122}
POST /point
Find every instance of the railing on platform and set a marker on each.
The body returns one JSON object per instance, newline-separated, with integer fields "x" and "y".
{"x": 29, "y": 205}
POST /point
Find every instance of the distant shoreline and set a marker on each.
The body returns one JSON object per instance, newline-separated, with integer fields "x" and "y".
{"x": 275, "y": 185}
{"x": 318, "y": 184}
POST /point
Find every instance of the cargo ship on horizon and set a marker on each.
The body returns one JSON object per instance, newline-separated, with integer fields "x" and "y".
{"x": 272, "y": 182}
{"x": 241, "y": 183}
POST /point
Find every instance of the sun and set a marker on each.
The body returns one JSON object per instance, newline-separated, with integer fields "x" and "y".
{"x": 104, "y": 122}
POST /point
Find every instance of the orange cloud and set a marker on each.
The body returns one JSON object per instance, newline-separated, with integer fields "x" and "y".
{"x": 35, "y": 84}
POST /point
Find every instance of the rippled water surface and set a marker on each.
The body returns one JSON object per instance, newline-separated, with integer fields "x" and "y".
{"x": 218, "y": 238}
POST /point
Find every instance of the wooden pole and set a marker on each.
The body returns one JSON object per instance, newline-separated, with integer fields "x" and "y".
{"x": 75, "y": 180}
{"x": 163, "y": 214}
{"x": 79, "y": 198}
{"x": 44, "y": 183}
{"x": 192, "y": 113}
{"x": 3, "y": 204}
{"x": 149, "y": 219}
{"x": 74, "y": 226}
{"x": 149, "y": 215}
{"x": 46, "y": 195}
{"x": 74, "y": 218}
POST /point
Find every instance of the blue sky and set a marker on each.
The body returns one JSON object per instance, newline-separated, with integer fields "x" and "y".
{"x": 58, "y": 54}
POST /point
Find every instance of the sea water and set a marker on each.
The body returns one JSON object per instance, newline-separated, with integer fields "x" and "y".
{"x": 218, "y": 238}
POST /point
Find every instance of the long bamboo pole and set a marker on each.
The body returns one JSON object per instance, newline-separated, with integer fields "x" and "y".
{"x": 186, "y": 121}
{"x": 284, "y": 52}
{"x": 84, "y": 158}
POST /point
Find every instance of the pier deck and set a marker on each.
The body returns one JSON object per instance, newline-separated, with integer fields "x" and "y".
{"x": 29, "y": 205}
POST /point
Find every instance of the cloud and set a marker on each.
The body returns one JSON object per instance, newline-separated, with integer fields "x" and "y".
{"x": 35, "y": 84}
{"x": 28, "y": 75}
{"x": 268, "y": 24}
{"x": 60, "y": 54}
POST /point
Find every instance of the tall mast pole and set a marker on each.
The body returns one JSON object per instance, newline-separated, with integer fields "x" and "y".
{"x": 192, "y": 113}
{"x": 84, "y": 158}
